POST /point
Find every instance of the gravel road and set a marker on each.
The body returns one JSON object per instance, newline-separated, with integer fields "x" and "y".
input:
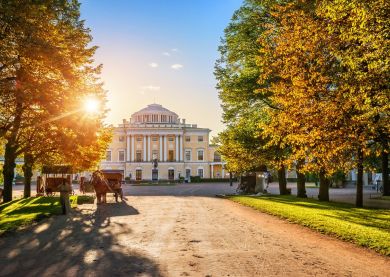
{"x": 184, "y": 233}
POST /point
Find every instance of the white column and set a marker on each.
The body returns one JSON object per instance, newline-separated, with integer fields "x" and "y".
{"x": 149, "y": 150}
{"x": 128, "y": 148}
{"x": 223, "y": 172}
{"x": 144, "y": 148}
{"x": 177, "y": 147}
{"x": 212, "y": 172}
{"x": 165, "y": 149}
{"x": 132, "y": 149}
{"x": 161, "y": 148}
{"x": 181, "y": 148}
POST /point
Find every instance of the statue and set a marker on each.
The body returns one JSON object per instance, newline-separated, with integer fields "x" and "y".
{"x": 155, "y": 163}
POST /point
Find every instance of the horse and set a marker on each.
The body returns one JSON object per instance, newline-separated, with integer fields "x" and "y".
{"x": 102, "y": 187}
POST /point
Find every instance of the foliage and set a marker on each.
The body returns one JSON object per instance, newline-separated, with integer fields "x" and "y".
{"x": 294, "y": 55}
{"x": 195, "y": 179}
{"x": 242, "y": 144}
{"x": 46, "y": 73}
{"x": 365, "y": 227}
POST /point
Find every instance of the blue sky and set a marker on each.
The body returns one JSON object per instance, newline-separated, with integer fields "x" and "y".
{"x": 160, "y": 51}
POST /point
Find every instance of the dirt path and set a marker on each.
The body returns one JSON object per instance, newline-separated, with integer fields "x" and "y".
{"x": 180, "y": 236}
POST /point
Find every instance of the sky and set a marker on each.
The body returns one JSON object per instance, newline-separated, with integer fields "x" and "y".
{"x": 160, "y": 51}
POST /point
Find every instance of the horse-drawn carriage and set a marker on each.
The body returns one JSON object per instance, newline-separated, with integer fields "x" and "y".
{"x": 103, "y": 182}
{"x": 54, "y": 179}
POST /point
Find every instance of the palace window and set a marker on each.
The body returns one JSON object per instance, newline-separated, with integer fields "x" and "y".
{"x": 121, "y": 138}
{"x": 188, "y": 138}
{"x": 138, "y": 174}
{"x": 200, "y": 172}
{"x": 200, "y": 138}
{"x": 121, "y": 155}
{"x": 108, "y": 156}
{"x": 154, "y": 138}
{"x": 188, "y": 155}
{"x": 171, "y": 174}
{"x": 200, "y": 155}
{"x": 170, "y": 156}
{"x": 139, "y": 139}
{"x": 217, "y": 157}
{"x": 170, "y": 138}
{"x": 138, "y": 156}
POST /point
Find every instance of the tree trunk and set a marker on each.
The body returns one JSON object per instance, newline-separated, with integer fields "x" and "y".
{"x": 385, "y": 172}
{"x": 324, "y": 187}
{"x": 10, "y": 153}
{"x": 282, "y": 180}
{"x": 28, "y": 173}
{"x": 9, "y": 170}
{"x": 301, "y": 189}
{"x": 359, "y": 182}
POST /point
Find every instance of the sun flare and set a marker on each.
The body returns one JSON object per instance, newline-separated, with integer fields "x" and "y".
{"x": 91, "y": 105}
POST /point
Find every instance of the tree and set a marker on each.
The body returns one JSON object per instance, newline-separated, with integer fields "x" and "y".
{"x": 46, "y": 71}
{"x": 363, "y": 50}
{"x": 237, "y": 73}
{"x": 82, "y": 149}
{"x": 295, "y": 59}
{"x": 329, "y": 110}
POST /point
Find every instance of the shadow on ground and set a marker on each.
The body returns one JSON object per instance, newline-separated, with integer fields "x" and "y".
{"x": 76, "y": 245}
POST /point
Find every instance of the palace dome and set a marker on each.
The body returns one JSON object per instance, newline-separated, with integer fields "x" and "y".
{"x": 154, "y": 113}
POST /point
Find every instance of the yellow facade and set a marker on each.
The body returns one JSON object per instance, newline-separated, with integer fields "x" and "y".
{"x": 155, "y": 133}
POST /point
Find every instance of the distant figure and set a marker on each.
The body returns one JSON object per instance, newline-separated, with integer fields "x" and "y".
{"x": 268, "y": 179}
{"x": 117, "y": 188}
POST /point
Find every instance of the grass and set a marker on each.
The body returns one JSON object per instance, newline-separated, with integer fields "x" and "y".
{"x": 365, "y": 227}
{"x": 382, "y": 197}
{"x": 22, "y": 212}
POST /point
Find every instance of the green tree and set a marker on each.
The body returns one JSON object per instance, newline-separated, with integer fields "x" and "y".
{"x": 237, "y": 73}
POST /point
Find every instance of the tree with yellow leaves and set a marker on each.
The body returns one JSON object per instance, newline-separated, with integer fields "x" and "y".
{"x": 362, "y": 47}
{"x": 46, "y": 72}
{"x": 325, "y": 111}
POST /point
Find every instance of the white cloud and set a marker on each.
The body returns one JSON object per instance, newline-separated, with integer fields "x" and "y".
{"x": 174, "y": 50}
{"x": 176, "y": 66}
{"x": 166, "y": 54}
{"x": 151, "y": 88}
{"x": 154, "y": 65}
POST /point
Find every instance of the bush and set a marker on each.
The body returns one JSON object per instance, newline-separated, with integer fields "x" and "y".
{"x": 195, "y": 179}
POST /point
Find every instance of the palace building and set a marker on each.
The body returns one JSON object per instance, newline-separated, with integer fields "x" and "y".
{"x": 157, "y": 134}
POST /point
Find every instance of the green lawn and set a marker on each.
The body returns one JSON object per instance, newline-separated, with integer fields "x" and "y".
{"x": 22, "y": 212}
{"x": 365, "y": 227}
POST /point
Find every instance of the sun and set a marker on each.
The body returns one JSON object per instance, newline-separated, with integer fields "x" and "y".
{"x": 91, "y": 105}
